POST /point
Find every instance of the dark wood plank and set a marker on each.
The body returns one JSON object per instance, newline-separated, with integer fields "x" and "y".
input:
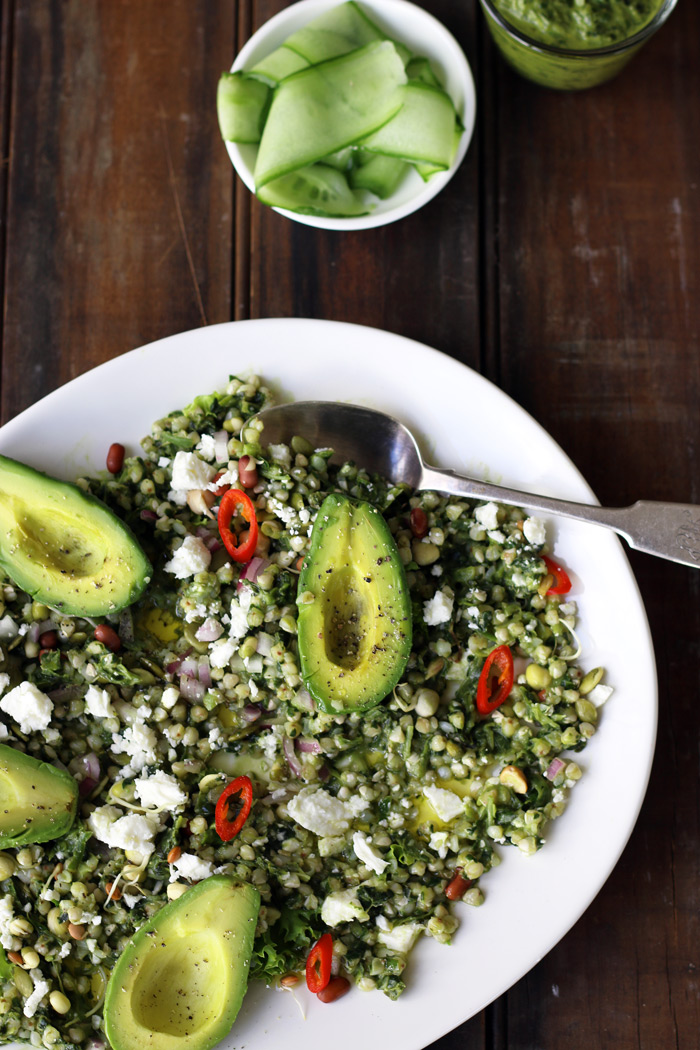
{"x": 119, "y": 187}
{"x": 594, "y": 295}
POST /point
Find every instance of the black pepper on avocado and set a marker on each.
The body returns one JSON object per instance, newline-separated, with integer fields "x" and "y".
{"x": 64, "y": 547}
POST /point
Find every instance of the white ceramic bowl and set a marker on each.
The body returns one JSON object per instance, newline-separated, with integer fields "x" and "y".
{"x": 410, "y": 25}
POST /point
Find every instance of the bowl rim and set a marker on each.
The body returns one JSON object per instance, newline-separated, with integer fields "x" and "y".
{"x": 451, "y": 55}
{"x": 629, "y": 42}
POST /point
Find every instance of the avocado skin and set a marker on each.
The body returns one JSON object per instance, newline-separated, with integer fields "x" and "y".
{"x": 180, "y": 981}
{"x": 355, "y": 637}
{"x": 50, "y": 795}
{"x": 48, "y": 526}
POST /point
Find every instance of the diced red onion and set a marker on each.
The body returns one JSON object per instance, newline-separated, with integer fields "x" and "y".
{"x": 221, "y": 446}
{"x": 209, "y": 631}
{"x": 174, "y": 666}
{"x": 34, "y": 632}
{"x": 250, "y": 713}
{"x": 253, "y": 569}
{"x": 204, "y": 671}
{"x": 91, "y": 765}
{"x": 555, "y": 767}
{"x": 191, "y": 688}
{"x": 289, "y": 753}
{"x": 189, "y": 667}
{"x": 148, "y": 515}
{"x": 324, "y": 773}
{"x": 312, "y": 747}
{"x": 47, "y": 625}
{"x": 86, "y": 787}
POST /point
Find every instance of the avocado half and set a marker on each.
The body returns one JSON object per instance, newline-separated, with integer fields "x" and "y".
{"x": 64, "y": 547}
{"x": 354, "y": 624}
{"x": 180, "y": 981}
{"x": 37, "y": 801}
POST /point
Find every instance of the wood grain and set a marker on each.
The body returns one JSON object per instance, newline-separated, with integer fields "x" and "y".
{"x": 562, "y": 262}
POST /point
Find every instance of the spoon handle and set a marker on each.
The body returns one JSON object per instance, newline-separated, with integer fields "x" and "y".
{"x": 668, "y": 530}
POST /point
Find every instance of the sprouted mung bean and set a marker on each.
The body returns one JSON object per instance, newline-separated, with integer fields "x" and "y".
{"x": 360, "y": 823}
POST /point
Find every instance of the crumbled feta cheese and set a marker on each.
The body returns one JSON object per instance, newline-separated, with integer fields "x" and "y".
{"x": 228, "y": 477}
{"x": 209, "y": 631}
{"x": 41, "y": 988}
{"x": 4, "y": 682}
{"x": 280, "y": 454}
{"x": 28, "y": 706}
{"x": 270, "y": 743}
{"x": 65, "y": 950}
{"x": 190, "y": 472}
{"x": 189, "y": 866}
{"x": 599, "y": 694}
{"x": 191, "y": 557}
{"x": 98, "y": 703}
{"x": 161, "y": 790}
{"x": 132, "y": 832}
{"x": 342, "y": 906}
{"x": 438, "y": 609}
{"x": 320, "y": 812}
{"x": 239, "y": 618}
{"x": 163, "y": 462}
{"x": 400, "y": 938}
{"x": 487, "y": 515}
{"x": 436, "y": 570}
{"x": 220, "y": 652}
{"x": 496, "y": 536}
{"x": 8, "y": 628}
{"x": 446, "y": 804}
{"x": 284, "y": 511}
{"x": 171, "y": 695}
{"x": 356, "y": 805}
{"x": 139, "y": 743}
{"x": 534, "y": 531}
{"x": 7, "y": 941}
{"x": 367, "y": 854}
{"x": 207, "y": 446}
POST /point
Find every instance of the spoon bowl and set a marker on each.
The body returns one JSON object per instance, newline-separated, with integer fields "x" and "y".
{"x": 383, "y": 445}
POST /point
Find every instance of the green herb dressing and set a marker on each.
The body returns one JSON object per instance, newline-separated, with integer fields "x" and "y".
{"x": 579, "y": 25}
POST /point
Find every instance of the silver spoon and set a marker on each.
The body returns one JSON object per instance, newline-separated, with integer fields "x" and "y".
{"x": 384, "y": 446}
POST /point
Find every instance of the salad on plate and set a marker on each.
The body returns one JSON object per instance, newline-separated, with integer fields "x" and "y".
{"x": 321, "y": 707}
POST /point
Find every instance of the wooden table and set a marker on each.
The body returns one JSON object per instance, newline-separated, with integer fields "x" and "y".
{"x": 562, "y": 263}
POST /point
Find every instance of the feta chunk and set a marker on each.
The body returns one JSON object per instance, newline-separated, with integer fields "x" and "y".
{"x": 4, "y": 682}
{"x": 207, "y": 446}
{"x": 98, "y": 703}
{"x": 132, "y": 832}
{"x": 139, "y": 743}
{"x": 239, "y": 616}
{"x": 161, "y": 790}
{"x": 367, "y": 854}
{"x": 534, "y": 531}
{"x": 342, "y": 906}
{"x": 401, "y": 938}
{"x": 190, "y": 472}
{"x": 171, "y": 695}
{"x": 41, "y": 988}
{"x": 446, "y": 804}
{"x": 318, "y": 811}
{"x": 191, "y": 557}
{"x": 189, "y": 866}
{"x": 281, "y": 454}
{"x": 438, "y": 609}
{"x": 598, "y": 694}
{"x": 487, "y": 515}
{"x": 28, "y": 706}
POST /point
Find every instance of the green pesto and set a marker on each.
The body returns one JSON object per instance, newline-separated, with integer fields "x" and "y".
{"x": 578, "y": 25}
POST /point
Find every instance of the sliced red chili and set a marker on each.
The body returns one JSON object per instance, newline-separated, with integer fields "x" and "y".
{"x": 562, "y": 583}
{"x": 318, "y": 964}
{"x": 495, "y": 681}
{"x": 228, "y": 829}
{"x": 232, "y": 501}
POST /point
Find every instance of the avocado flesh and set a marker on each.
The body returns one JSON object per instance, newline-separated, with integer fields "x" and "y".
{"x": 64, "y": 547}
{"x": 180, "y": 981}
{"x": 355, "y": 636}
{"x": 37, "y": 801}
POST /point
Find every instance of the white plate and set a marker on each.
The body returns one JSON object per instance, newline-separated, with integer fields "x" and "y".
{"x": 466, "y": 423}
{"x": 410, "y": 25}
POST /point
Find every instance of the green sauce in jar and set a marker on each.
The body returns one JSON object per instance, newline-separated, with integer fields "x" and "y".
{"x": 578, "y": 24}
{"x": 572, "y": 44}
